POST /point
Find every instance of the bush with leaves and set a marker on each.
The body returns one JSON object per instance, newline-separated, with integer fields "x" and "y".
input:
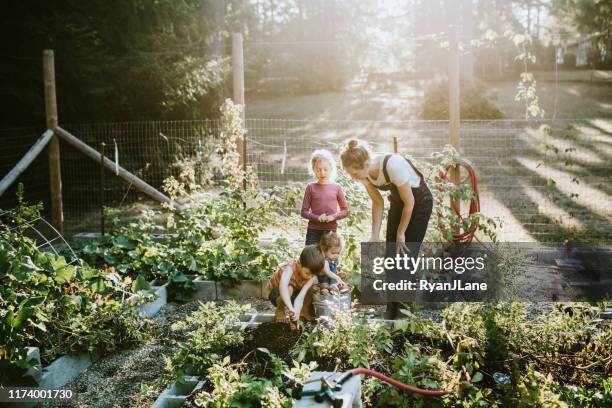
{"x": 59, "y": 307}
{"x": 475, "y": 104}
{"x": 345, "y": 341}
{"x": 208, "y": 335}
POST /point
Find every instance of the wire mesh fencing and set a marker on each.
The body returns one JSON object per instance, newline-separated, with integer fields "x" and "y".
{"x": 541, "y": 183}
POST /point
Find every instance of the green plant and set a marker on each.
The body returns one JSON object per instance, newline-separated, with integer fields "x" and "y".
{"x": 208, "y": 334}
{"x": 56, "y": 306}
{"x": 347, "y": 340}
{"x": 230, "y": 388}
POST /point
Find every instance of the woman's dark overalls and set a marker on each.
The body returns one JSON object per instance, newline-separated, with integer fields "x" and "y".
{"x": 415, "y": 232}
{"x": 423, "y": 204}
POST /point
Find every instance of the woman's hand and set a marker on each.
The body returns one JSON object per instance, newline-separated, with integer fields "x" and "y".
{"x": 373, "y": 239}
{"x": 401, "y": 247}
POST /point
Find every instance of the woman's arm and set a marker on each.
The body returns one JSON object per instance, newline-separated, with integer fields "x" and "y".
{"x": 405, "y": 192}
{"x": 378, "y": 208}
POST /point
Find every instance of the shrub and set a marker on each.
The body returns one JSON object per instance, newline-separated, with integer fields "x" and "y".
{"x": 475, "y": 104}
{"x": 61, "y": 308}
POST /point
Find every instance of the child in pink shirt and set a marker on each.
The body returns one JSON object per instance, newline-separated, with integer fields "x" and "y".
{"x": 324, "y": 202}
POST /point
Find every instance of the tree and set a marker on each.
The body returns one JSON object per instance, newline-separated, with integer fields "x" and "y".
{"x": 116, "y": 59}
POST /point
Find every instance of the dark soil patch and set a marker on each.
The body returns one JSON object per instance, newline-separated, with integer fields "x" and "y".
{"x": 277, "y": 338}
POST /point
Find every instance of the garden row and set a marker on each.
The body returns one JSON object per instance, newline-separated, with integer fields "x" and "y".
{"x": 486, "y": 355}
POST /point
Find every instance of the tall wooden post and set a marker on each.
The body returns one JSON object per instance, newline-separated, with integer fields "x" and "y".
{"x": 467, "y": 64}
{"x": 454, "y": 118}
{"x": 238, "y": 76}
{"x": 57, "y": 208}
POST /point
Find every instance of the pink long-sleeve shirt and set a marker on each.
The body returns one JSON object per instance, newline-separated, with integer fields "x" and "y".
{"x": 324, "y": 199}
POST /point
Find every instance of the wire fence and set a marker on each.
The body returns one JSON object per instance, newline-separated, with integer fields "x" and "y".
{"x": 537, "y": 192}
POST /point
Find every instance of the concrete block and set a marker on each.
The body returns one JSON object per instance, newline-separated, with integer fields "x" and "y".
{"x": 264, "y": 317}
{"x": 350, "y": 392}
{"x": 205, "y": 289}
{"x": 66, "y": 368}
{"x": 33, "y": 356}
{"x": 150, "y": 309}
{"x": 242, "y": 290}
{"x": 61, "y": 371}
{"x": 176, "y": 395}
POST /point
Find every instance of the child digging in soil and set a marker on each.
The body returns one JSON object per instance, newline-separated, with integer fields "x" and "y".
{"x": 290, "y": 285}
{"x": 329, "y": 279}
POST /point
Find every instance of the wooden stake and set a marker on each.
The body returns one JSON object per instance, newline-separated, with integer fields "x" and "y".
{"x": 55, "y": 174}
{"x": 395, "y": 144}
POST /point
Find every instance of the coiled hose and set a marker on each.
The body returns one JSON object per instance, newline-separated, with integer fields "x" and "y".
{"x": 467, "y": 235}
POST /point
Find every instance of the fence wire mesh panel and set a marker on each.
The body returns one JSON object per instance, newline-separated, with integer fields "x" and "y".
{"x": 540, "y": 178}
{"x": 151, "y": 150}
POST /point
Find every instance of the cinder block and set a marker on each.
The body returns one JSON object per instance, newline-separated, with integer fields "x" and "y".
{"x": 66, "y": 368}
{"x": 242, "y": 290}
{"x": 205, "y": 289}
{"x": 150, "y": 309}
{"x": 176, "y": 395}
{"x": 61, "y": 371}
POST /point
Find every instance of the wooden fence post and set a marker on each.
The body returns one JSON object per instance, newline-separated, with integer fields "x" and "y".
{"x": 55, "y": 174}
{"x": 238, "y": 76}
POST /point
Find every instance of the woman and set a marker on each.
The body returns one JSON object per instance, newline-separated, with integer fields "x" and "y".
{"x": 410, "y": 198}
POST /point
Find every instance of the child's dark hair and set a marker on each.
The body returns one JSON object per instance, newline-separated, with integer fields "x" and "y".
{"x": 312, "y": 257}
{"x": 329, "y": 240}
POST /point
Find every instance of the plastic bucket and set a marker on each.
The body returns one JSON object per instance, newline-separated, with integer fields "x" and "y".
{"x": 328, "y": 305}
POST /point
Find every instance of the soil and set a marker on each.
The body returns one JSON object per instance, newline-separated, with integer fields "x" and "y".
{"x": 277, "y": 338}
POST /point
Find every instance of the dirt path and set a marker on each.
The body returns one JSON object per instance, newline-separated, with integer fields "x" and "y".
{"x": 121, "y": 379}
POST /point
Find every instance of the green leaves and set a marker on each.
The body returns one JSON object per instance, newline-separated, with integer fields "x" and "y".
{"x": 140, "y": 284}
{"x": 123, "y": 242}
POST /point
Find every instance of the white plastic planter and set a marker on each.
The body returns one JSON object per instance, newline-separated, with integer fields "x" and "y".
{"x": 150, "y": 309}
{"x": 176, "y": 395}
